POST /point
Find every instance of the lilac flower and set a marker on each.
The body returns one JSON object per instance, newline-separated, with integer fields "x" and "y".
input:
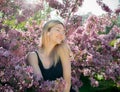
{"x": 94, "y": 82}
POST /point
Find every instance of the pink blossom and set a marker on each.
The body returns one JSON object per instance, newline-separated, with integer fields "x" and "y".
{"x": 29, "y": 69}
{"x": 86, "y": 72}
{"x": 6, "y": 53}
{"x": 117, "y": 11}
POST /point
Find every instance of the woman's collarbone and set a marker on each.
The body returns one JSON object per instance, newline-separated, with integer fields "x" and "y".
{"x": 47, "y": 62}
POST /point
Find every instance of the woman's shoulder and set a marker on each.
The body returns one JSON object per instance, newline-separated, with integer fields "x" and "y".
{"x": 64, "y": 47}
{"x": 65, "y": 50}
{"x": 32, "y": 56}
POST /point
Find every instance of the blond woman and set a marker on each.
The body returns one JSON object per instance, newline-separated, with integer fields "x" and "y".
{"x": 52, "y": 59}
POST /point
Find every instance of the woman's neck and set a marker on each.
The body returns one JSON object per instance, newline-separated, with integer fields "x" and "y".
{"x": 48, "y": 49}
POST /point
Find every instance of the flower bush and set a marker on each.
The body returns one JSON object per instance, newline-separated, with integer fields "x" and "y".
{"x": 95, "y": 44}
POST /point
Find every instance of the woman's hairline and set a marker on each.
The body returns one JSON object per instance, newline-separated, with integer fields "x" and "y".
{"x": 54, "y": 22}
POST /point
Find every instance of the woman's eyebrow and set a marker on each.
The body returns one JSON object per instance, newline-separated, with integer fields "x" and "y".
{"x": 60, "y": 28}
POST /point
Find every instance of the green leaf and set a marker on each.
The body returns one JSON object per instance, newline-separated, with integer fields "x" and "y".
{"x": 1, "y": 14}
{"x": 118, "y": 36}
{"x": 100, "y": 32}
{"x": 99, "y": 77}
{"x": 113, "y": 42}
{"x": 108, "y": 28}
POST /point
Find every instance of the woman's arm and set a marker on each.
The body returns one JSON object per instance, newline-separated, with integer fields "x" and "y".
{"x": 64, "y": 53}
{"x": 67, "y": 73}
{"x": 32, "y": 60}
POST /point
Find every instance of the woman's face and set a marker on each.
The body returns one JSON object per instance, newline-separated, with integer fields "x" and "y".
{"x": 57, "y": 33}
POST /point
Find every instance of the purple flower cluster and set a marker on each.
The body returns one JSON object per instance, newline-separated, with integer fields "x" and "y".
{"x": 95, "y": 45}
{"x": 21, "y": 9}
{"x": 66, "y": 8}
{"x": 104, "y": 6}
{"x": 96, "y": 53}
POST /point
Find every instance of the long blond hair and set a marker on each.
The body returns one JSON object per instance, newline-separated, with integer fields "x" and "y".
{"x": 61, "y": 49}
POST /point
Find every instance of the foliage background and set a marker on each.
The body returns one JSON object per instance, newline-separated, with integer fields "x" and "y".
{"x": 94, "y": 40}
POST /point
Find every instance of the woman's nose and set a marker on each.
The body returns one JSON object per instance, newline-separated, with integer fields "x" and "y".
{"x": 62, "y": 35}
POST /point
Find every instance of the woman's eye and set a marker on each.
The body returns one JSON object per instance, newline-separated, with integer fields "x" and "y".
{"x": 61, "y": 31}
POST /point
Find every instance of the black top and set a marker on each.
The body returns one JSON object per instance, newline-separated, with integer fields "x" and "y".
{"x": 53, "y": 72}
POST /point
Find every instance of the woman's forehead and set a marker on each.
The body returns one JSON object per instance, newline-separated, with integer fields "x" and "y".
{"x": 59, "y": 26}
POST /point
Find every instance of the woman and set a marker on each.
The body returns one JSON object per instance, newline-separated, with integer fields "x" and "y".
{"x": 52, "y": 59}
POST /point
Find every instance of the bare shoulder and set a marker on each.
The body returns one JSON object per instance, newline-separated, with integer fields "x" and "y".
{"x": 64, "y": 51}
{"x": 32, "y": 57}
{"x": 31, "y": 54}
{"x": 64, "y": 46}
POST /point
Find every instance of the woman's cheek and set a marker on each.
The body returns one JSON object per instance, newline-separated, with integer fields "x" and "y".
{"x": 61, "y": 37}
